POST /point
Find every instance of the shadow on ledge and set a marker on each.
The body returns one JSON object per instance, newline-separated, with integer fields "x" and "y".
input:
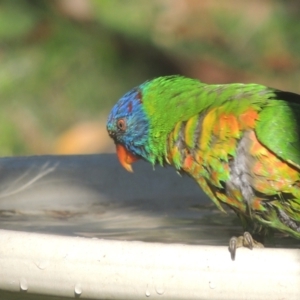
{"x": 93, "y": 196}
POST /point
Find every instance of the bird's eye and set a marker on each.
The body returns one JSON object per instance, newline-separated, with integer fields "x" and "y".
{"x": 121, "y": 124}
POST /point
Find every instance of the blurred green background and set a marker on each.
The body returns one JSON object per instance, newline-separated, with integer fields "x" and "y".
{"x": 64, "y": 63}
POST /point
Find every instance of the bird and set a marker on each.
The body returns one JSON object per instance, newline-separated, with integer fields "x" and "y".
{"x": 240, "y": 142}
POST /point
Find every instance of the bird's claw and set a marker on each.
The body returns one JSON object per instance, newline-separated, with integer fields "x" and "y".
{"x": 245, "y": 240}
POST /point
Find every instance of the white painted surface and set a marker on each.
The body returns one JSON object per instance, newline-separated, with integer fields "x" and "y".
{"x": 33, "y": 263}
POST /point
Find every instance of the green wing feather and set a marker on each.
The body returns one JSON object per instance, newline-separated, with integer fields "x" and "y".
{"x": 278, "y": 127}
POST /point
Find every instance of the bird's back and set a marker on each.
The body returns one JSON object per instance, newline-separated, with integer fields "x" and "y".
{"x": 244, "y": 151}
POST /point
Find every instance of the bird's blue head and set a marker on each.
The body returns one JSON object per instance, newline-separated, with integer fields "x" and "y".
{"x": 128, "y": 126}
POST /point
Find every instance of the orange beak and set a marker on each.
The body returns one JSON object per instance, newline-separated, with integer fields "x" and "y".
{"x": 125, "y": 157}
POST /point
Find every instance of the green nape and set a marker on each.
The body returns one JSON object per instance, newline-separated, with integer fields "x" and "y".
{"x": 171, "y": 99}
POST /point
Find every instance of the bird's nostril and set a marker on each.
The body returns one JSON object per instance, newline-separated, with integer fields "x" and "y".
{"x": 111, "y": 133}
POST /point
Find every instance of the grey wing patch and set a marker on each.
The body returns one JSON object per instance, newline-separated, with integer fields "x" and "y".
{"x": 240, "y": 176}
{"x": 286, "y": 220}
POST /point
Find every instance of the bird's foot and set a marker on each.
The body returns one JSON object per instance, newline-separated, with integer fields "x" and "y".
{"x": 245, "y": 240}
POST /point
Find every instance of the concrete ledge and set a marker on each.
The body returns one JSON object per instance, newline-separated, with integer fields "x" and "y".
{"x": 92, "y": 196}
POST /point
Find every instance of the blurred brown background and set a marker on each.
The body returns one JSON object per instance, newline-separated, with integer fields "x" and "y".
{"x": 64, "y": 63}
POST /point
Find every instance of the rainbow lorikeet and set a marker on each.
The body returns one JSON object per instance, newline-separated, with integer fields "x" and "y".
{"x": 240, "y": 142}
